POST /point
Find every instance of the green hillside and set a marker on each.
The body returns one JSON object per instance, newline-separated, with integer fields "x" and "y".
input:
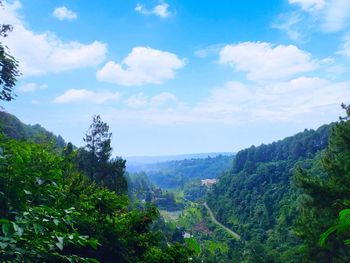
{"x": 257, "y": 197}
{"x": 13, "y": 128}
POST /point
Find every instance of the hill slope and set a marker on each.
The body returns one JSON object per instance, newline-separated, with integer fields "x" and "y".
{"x": 257, "y": 197}
{"x": 13, "y": 128}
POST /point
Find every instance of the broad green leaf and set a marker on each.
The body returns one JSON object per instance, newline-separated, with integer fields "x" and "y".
{"x": 60, "y": 242}
{"x": 6, "y": 229}
{"x": 37, "y": 228}
{"x": 18, "y": 229}
{"x": 56, "y": 221}
{"x": 27, "y": 192}
{"x": 94, "y": 243}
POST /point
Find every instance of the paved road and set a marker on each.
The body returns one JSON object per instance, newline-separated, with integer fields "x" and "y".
{"x": 238, "y": 237}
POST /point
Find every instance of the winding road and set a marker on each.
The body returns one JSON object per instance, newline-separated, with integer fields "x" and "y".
{"x": 238, "y": 237}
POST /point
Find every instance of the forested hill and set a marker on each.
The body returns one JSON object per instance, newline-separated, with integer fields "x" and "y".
{"x": 13, "y": 128}
{"x": 257, "y": 197}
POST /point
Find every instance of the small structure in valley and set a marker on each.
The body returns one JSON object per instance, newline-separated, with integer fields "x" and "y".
{"x": 209, "y": 182}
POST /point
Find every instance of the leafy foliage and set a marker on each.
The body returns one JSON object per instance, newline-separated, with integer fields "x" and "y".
{"x": 49, "y": 212}
{"x": 342, "y": 226}
{"x": 9, "y": 71}
{"x": 325, "y": 188}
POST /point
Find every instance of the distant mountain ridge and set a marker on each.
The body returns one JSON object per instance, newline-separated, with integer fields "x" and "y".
{"x": 139, "y": 160}
{"x": 177, "y": 173}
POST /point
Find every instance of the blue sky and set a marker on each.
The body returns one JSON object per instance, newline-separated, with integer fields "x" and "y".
{"x": 175, "y": 77}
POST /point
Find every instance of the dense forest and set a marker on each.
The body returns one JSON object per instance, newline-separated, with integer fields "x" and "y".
{"x": 257, "y": 197}
{"x": 281, "y": 197}
{"x": 71, "y": 205}
{"x": 273, "y": 197}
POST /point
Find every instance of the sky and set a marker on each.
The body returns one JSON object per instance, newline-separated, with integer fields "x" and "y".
{"x": 177, "y": 77}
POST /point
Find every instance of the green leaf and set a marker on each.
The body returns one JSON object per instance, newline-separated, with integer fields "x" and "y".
{"x": 56, "y": 221}
{"x": 94, "y": 243}
{"x": 18, "y": 229}
{"x": 59, "y": 245}
{"x": 27, "y": 192}
{"x": 37, "y": 228}
{"x": 344, "y": 214}
{"x": 6, "y": 229}
{"x": 60, "y": 242}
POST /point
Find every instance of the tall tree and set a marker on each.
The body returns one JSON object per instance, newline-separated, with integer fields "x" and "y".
{"x": 95, "y": 158}
{"x": 98, "y": 145}
{"x": 325, "y": 192}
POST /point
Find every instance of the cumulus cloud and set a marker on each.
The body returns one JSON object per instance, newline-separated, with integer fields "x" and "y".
{"x": 87, "y": 96}
{"x": 296, "y": 100}
{"x": 41, "y": 53}
{"x": 264, "y": 61}
{"x": 288, "y": 100}
{"x": 63, "y": 13}
{"x": 161, "y": 10}
{"x": 144, "y": 65}
{"x": 31, "y": 87}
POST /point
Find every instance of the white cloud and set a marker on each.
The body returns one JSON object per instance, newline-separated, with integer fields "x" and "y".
{"x": 41, "y": 53}
{"x": 161, "y": 10}
{"x": 263, "y": 61}
{"x": 31, "y": 87}
{"x": 296, "y": 100}
{"x": 162, "y": 99}
{"x": 289, "y": 100}
{"x": 63, "y": 13}
{"x": 327, "y": 16}
{"x": 336, "y": 16}
{"x": 309, "y": 5}
{"x": 143, "y": 65}
{"x": 87, "y": 96}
